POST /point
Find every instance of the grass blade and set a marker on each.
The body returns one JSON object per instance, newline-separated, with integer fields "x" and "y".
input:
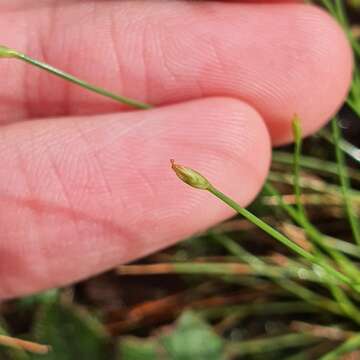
{"x": 345, "y": 183}
{"x": 348, "y": 346}
{"x": 11, "y": 53}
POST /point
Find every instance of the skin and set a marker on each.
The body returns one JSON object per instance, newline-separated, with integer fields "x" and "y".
{"x": 85, "y": 184}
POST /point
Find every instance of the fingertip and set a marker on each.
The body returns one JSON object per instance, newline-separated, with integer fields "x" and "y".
{"x": 325, "y": 64}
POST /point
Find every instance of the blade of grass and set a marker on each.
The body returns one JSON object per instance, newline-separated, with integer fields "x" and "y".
{"x": 296, "y": 167}
{"x": 258, "y": 308}
{"x": 11, "y": 53}
{"x": 315, "y": 185}
{"x": 348, "y": 346}
{"x": 345, "y": 183}
{"x": 281, "y": 238}
{"x": 340, "y": 296}
{"x": 315, "y": 235}
{"x": 353, "y": 99}
{"x": 291, "y": 286}
{"x": 330, "y": 6}
{"x": 346, "y": 305}
{"x": 339, "y": 10}
{"x": 348, "y": 148}
{"x": 215, "y": 268}
{"x": 195, "y": 179}
{"x": 312, "y": 163}
{"x": 269, "y": 344}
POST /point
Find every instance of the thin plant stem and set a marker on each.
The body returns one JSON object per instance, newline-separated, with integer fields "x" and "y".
{"x": 318, "y": 186}
{"x": 291, "y": 286}
{"x": 11, "y": 53}
{"x": 339, "y": 8}
{"x": 280, "y": 237}
{"x": 330, "y": 6}
{"x": 296, "y": 168}
{"x": 197, "y": 180}
{"x": 264, "y": 226}
{"x": 315, "y": 235}
{"x": 346, "y": 347}
{"x": 218, "y": 268}
{"x": 269, "y": 344}
{"x": 346, "y": 305}
{"x": 258, "y": 308}
{"x": 312, "y": 163}
{"x": 347, "y": 147}
{"x": 345, "y": 184}
{"x": 342, "y": 299}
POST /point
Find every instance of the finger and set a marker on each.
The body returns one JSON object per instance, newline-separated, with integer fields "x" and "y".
{"x": 280, "y": 58}
{"x": 79, "y": 197}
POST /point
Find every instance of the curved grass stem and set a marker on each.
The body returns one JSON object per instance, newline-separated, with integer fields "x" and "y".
{"x": 325, "y": 266}
{"x": 11, "y": 53}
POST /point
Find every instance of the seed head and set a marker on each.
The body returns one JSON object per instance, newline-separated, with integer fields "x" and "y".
{"x": 6, "y": 52}
{"x": 296, "y": 127}
{"x": 190, "y": 176}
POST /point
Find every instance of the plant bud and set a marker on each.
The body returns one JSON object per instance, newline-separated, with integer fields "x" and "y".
{"x": 190, "y": 176}
{"x": 6, "y": 52}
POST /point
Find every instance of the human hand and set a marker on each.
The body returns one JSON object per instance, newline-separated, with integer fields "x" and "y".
{"x": 85, "y": 186}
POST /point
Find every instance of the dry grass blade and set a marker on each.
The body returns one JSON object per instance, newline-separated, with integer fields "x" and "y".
{"x": 24, "y": 345}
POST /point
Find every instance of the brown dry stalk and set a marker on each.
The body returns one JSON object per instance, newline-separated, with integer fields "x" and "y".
{"x": 24, "y": 345}
{"x": 297, "y": 234}
{"x": 328, "y": 332}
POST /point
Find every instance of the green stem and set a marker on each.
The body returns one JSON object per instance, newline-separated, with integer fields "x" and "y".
{"x": 296, "y": 167}
{"x": 330, "y": 6}
{"x": 271, "y": 344}
{"x": 197, "y": 180}
{"x": 217, "y": 268}
{"x": 345, "y": 303}
{"x": 301, "y": 212}
{"x": 294, "y": 288}
{"x": 347, "y": 147}
{"x": 315, "y": 235}
{"x": 280, "y": 237}
{"x": 345, "y": 184}
{"x": 320, "y": 187}
{"x": 312, "y": 163}
{"x": 258, "y": 308}
{"x": 348, "y": 346}
{"x": 11, "y": 53}
{"x": 339, "y": 8}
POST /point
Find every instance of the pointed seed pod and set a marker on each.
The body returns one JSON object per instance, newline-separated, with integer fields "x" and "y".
{"x": 6, "y": 52}
{"x": 190, "y": 176}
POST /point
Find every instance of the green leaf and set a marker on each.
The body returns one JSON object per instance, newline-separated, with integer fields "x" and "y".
{"x": 131, "y": 348}
{"x": 71, "y": 331}
{"x": 193, "y": 339}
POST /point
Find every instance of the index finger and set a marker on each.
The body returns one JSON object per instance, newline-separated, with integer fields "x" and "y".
{"x": 280, "y": 58}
